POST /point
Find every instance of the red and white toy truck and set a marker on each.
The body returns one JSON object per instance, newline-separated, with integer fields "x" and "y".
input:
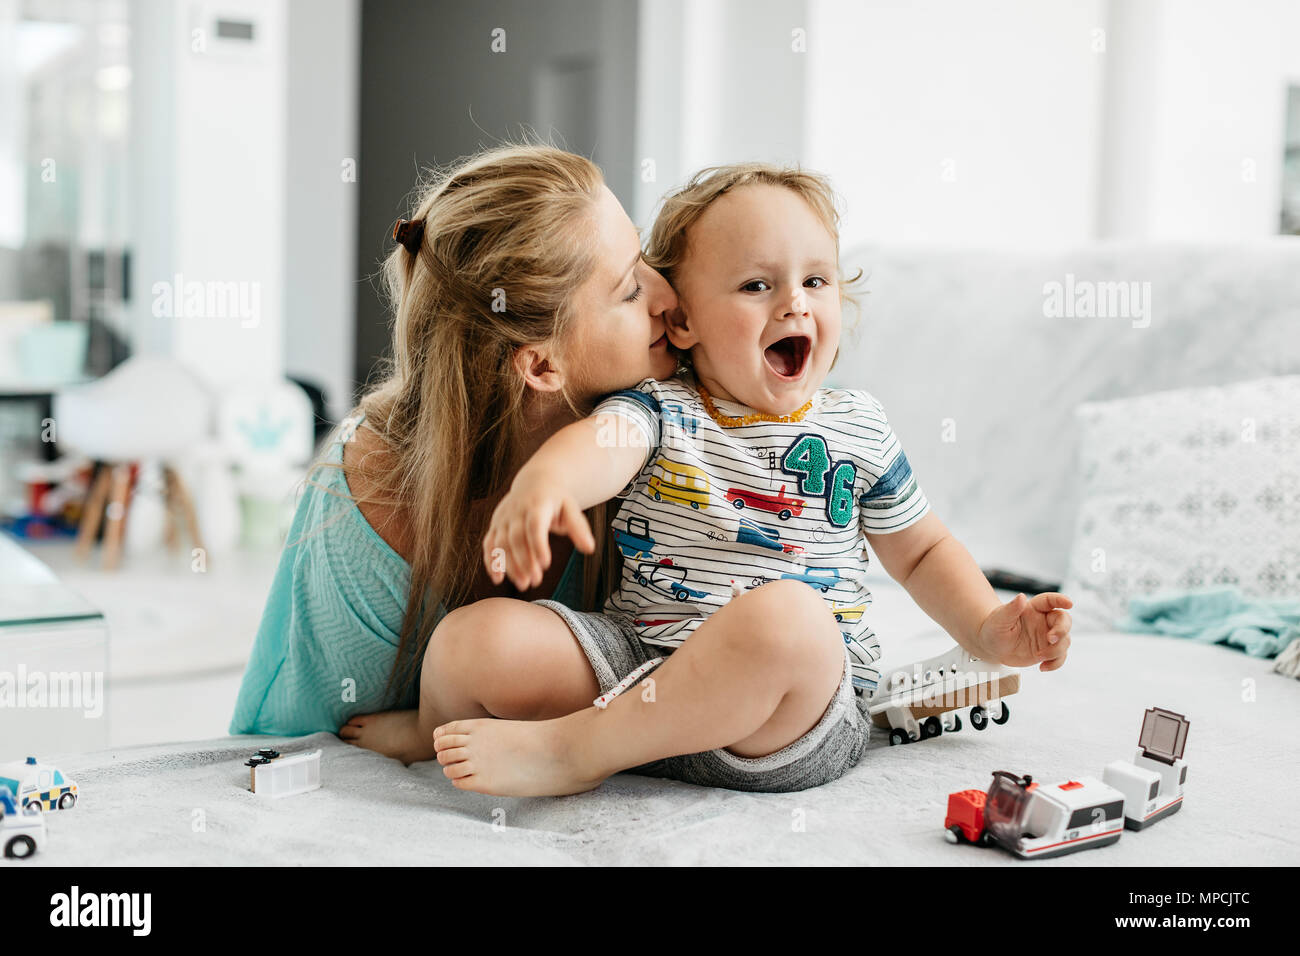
{"x": 1036, "y": 821}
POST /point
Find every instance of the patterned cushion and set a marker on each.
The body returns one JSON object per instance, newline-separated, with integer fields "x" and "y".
{"x": 1188, "y": 489}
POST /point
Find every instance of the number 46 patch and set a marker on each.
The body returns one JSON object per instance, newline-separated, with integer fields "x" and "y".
{"x": 808, "y": 459}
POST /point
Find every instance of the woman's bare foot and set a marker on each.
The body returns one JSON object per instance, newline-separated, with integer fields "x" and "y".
{"x": 394, "y": 733}
{"x": 512, "y": 758}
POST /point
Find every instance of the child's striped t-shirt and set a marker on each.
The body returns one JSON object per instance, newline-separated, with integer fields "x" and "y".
{"x": 716, "y": 508}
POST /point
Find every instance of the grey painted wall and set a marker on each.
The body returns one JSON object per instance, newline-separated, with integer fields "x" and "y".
{"x": 432, "y": 90}
{"x": 321, "y": 193}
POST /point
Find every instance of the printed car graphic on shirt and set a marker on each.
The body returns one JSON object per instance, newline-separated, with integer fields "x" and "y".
{"x": 635, "y": 542}
{"x": 681, "y": 483}
{"x": 845, "y": 613}
{"x": 750, "y": 532}
{"x": 666, "y": 578}
{"x": 780, "y": 504}
{"x": 824, "y": 578}
{"x": 659, "y": 620}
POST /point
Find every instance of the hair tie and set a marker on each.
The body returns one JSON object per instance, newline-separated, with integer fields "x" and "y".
{"x": 409, "y": 233}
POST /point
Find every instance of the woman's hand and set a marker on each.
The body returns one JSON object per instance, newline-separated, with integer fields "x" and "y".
{"x": 516, "y": 544}
{"x": 1028, "y": 631}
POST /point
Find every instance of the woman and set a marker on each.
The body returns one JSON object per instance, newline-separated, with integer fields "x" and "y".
{"x": 520, "y": 298}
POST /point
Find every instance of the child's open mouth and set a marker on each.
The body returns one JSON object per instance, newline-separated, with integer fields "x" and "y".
{"x": 788, "y": 356}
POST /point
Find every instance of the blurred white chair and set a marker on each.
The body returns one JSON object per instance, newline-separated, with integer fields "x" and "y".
{"x": 266, "y": 430}
{"x": 147, "y": 409}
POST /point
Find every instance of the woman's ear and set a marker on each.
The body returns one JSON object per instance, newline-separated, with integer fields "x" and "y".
{"x": 679, "y": 329}
{"x": 535, "y": 367}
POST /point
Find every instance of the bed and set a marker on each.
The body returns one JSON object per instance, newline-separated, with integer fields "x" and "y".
{"x": 964, "y": 312}
{"x": 187, "y": 804}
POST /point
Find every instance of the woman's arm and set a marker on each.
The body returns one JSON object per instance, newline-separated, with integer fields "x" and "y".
{"x": 581, "y": 465}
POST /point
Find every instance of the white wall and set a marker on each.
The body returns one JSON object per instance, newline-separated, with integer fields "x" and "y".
{"x": 229, "y": 196}
{"x": 718, "y": 82}
{"x": 948, "y": 121}
{"x": 1195, "y": 118}
{"x": 208, "y": 197}
{"x": 324, "y": 44}
{"x": 150, "y": 168}
{"x": 1012, "y": 123}
{"x": 237, "y": 176}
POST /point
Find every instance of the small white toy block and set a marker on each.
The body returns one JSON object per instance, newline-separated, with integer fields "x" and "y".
{"x": 286, "y": 776}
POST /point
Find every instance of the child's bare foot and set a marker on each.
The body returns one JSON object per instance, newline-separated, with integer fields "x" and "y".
{"x": 511, "y": 758}
{"x": 394, "y": 733}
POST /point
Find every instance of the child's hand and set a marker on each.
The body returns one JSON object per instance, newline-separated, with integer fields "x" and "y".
{"x": 1027, "y": 631}
{"x": 516, "y": 543}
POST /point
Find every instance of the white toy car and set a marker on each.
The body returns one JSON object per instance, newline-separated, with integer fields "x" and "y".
{"x": 36, "y": 783}
{"x": 22, "y": 831}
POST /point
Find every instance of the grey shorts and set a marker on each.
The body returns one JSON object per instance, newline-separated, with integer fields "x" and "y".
{"x": 821, "y": 755}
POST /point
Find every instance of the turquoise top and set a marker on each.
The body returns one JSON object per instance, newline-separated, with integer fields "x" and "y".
{"x": 330, "y": 630}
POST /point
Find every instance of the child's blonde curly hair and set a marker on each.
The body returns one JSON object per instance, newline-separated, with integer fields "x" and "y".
{"x": 682, "y": 208}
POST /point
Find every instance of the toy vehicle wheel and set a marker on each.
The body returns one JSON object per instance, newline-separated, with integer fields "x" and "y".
{"x": 931, "y": 727}
{"x": 953, "y": 834}
{"x": 956, "y": 723}
{"x": 1004, "y": 716}
{"x": 66, "y": 801}
{"x": 979, "y": 717}
{"x": 898, "y": 736}
{"x": 986, "y": 838}
{"x": 20, "y": 847}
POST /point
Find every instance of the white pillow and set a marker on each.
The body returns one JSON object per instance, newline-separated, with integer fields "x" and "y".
{"x": 1186, "y": 489}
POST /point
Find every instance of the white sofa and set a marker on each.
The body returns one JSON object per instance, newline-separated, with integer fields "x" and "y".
{"x": 961, "y": 336}
{"x": 967, "y": 340}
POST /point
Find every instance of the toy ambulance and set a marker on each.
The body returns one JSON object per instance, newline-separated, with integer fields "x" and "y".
{"x": 921, "y": 700}
{"x": 40, "y": 784}
{"x": 1153, "y": 783}
{"x": 22, "y": 830}
{"x": 1036, "y": 821}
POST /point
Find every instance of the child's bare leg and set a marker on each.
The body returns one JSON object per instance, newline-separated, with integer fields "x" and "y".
{"x": 495, "y": 658}
{"x": 755, "y": 677}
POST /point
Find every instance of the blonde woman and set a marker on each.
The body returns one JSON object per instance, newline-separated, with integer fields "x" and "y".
{"x": 520, "y": 298}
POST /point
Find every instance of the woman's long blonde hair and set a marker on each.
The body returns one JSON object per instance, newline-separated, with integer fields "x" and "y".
{"x": 506, "y": 243}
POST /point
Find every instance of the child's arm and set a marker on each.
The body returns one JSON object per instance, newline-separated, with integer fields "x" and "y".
{"x": 945, "y": 582}
{"x": 579, "y": 466}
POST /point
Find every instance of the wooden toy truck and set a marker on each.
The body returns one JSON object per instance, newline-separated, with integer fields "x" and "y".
{"x": 921, "y": 700}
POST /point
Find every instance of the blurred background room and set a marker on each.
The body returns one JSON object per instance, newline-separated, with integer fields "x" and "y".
{"x": 1076, "y": 220}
